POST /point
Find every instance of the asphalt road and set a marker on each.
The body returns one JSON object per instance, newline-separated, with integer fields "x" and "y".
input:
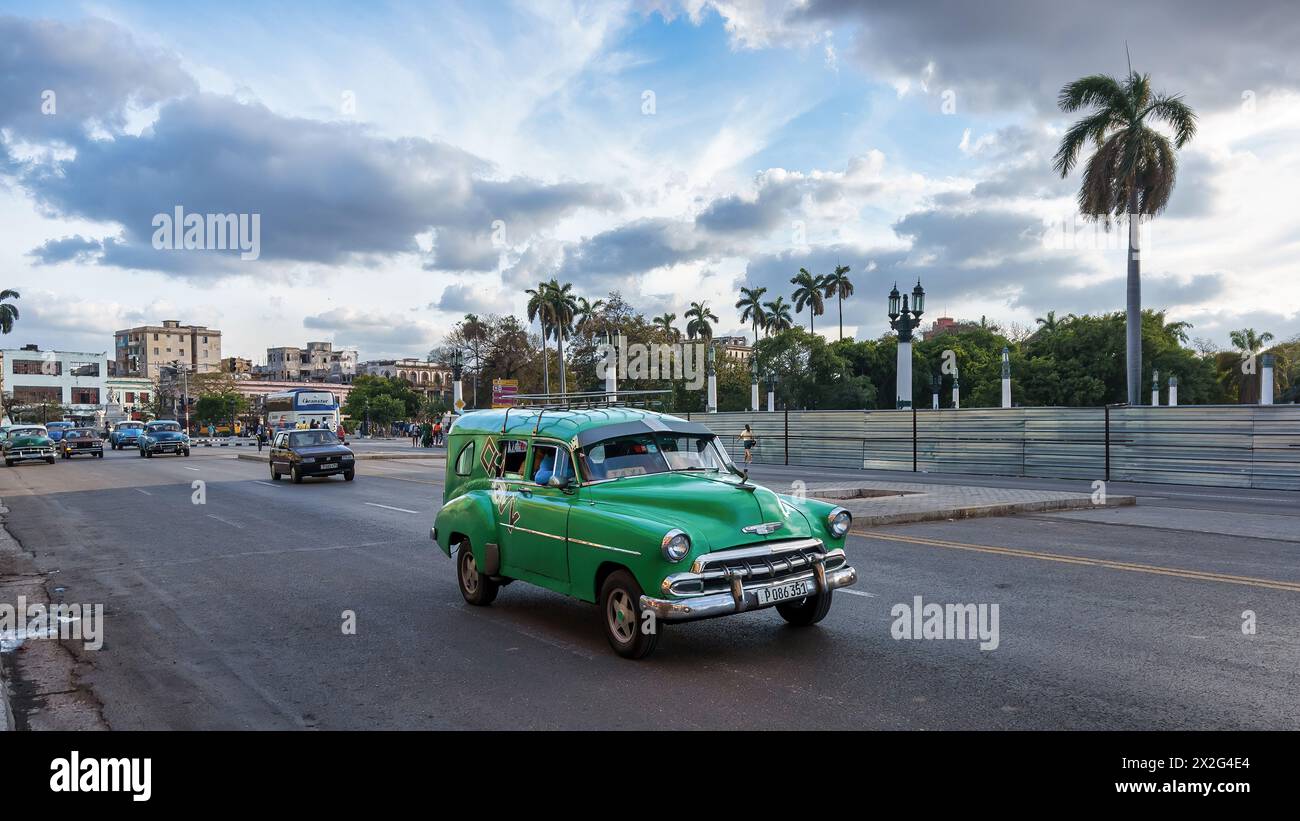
{"x": 229, "y": 614}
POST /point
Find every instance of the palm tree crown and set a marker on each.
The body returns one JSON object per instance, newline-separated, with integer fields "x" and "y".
{"x": 778, "y": 316}
{"x": 698, "y": 317}
{"x": 750, "y": 306}
{"x": 838, "y": 285}
{"x": 8, "y": 313}
{"x": 808, "y": 294}
{"x": 665, "y": 323}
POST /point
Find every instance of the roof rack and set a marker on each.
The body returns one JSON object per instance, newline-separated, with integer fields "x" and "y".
{"x": 588, "y": 399}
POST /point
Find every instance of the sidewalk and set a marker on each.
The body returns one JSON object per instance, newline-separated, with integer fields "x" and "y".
{"x": 876, "y": 503}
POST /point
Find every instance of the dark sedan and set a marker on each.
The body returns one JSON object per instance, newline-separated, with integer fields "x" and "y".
{"x": 81, "y": 442}
{"x": 302, "y": 453}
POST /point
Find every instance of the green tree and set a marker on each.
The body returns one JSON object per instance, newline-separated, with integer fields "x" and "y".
{"x": 8, "y": 312}
{"x": 778, "y": 316}
{"x": 1131, "y": 172}
{"x": 837, "y": 284}
{"x": 750, "y": 306}
{"x": 698, "y": 317}
{"x": 809, "y": 294}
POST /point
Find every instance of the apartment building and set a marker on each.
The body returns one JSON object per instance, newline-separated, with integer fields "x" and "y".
{"x": 318, "y": 362}
{"x": 76, "y": 380}
{"x": 146, "y": 350}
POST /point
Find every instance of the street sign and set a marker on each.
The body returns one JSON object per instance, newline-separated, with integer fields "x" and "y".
{"x": 503, "y": 392}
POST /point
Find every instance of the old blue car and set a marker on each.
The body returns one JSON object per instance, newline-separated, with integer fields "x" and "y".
{"x": 125, "y": 434}
{"x": 55, "y": 430}
{"x": 164, "y": 437}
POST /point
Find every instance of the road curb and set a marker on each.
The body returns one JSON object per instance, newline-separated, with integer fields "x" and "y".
{"x": 999, "y": 509}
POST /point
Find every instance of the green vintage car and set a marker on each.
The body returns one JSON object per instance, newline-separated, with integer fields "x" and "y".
{"x": 27, "y": 442}
{"x": 640, "y": 512}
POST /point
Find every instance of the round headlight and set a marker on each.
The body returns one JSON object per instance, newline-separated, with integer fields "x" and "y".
{"x": 838, "y": 521}
{"x": 676, "y": 545}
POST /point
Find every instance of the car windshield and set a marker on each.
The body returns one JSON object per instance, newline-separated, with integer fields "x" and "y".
{"x": 172, "y": 428}
{"x": 27, "y": 432}
{"x": 130, "y": 426}
{"x": 311, "y": 438}
{"x": 648, "y": 453}
{"x": 79, "y": 434}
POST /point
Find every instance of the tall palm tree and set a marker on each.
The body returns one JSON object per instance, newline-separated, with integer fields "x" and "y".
{"x": 838, "y": 285}
{"x": 750, "y": 306}
{"x": 697, "y": 318}
{"x": 586, "y": 314}
{"x": 475, "y": 332}
{"x": 563, "y": 308}
{"x": 540, "y": 309}
{"x": 809, "y": 295}
{"x": 1131, "y": 172}
{"x": 778, "y": 316}
{"x": 665, "y": 323}
{"x": 1249, "y": 342}
{"x": 8, "y": 313}
{"x": 1050, "y": 323}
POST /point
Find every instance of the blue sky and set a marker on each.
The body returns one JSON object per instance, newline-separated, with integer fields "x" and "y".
{"x": 381, "y": 145}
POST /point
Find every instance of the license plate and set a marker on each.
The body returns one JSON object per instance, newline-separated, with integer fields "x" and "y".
{"x": 786, "y": 592}
{"x": 329, "y": 464}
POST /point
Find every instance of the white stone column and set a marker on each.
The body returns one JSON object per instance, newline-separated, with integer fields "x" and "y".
{"x": 611, "y": 369}
{"x": 1006, "y": 378}
{"x": 1173, "y": 391}
{"x": 771, "y": 400}
{"x": 1266, "y": 380}
{"x": 904, "y": 387}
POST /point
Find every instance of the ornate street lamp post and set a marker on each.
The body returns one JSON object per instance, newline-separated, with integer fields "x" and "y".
{"x": 935, "y": 383}
{"x": 711, "y": 356}
{"x": 457, "y": 390}
{"x": 771, "y": 391}
{"x": 904, "y": 321}
{"x": 753, "y": 382}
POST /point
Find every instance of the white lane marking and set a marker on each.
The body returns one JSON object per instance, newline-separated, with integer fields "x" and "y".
{"x": 145, "y": 492}
{"x": 225, "y": 521}
{"x": 856, "y": 593}
{"x": 268, "y": 484}
{"x": 194, "y": 469}
{"x": 389, "y": 507}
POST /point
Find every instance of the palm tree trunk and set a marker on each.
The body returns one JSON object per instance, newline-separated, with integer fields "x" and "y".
{"x": 546, "y": 364}
{"x": 1133, "y": 328}
{"x": 559, "y": 341}
{"x": 840, "y": 299}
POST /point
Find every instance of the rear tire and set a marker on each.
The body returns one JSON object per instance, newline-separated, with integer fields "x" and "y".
{"x": 476, "y": 588}
{"x": 275, "y": 477}
{"x": 807, "y": 611}
{"x": 629, "y": 632}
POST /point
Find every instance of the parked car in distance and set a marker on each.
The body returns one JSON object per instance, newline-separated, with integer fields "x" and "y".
{"x": 81, "y": 442}
{"x": 640, "y": 512}
{"x": 163, "y": 436}
{"x": 55, "y": 430}
{"x": 304, "y": 453}
{"x": 125, "y": 433}
{"x": 27, "y": 442}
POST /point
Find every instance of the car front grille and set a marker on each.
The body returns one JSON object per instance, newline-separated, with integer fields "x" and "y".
{"x": 757, "y": 564}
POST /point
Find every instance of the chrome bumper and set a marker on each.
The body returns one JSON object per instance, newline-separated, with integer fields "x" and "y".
{"x": 743, "y": 597}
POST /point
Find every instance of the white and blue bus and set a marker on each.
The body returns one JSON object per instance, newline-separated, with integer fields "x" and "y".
{"x": 300, "y": 407}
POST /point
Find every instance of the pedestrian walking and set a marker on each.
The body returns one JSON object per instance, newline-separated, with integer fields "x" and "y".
{"x": 747, "y": 441}
{"x": 414, "y": 430}
{"x": 437, "y": 433}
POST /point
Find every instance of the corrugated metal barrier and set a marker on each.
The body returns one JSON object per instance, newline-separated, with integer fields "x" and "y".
{"x": 1253, "y": 446}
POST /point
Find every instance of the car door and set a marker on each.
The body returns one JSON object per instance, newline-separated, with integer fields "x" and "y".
{"x": 280, "y": 452}
{"x": 539, "y": 538}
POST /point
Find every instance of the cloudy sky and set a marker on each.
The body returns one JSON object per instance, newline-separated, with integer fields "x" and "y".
{"x": 411, "y": 162}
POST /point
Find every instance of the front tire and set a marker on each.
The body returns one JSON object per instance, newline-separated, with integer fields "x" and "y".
{"x": 806, "y": 611}
{"x": 629, "y": 632}
{"x": 476, "y": 588}
{"x": 349, "y": 475}
{"x": 297, "y": 476}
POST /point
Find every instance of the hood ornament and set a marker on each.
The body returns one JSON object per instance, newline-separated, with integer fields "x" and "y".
{"x": 763, "y": 529}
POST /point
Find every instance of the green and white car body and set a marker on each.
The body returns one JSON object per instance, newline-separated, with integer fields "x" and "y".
{"x": 565, "y": 499}
{"x": 24, "y": 443}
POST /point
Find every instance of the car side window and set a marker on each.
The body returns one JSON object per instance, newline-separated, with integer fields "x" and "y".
{"x": 513, "y": 454}
{"x": 548, "y": 461}
{"x": 465, "y": 460}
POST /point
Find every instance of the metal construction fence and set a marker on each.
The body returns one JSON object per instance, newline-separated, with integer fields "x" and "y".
{"x": 1251, "y": 446}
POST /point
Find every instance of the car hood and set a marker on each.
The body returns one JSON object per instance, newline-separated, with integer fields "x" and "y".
{"x": 166, "y": 435}
{"x": 30, "y": 440}
{"x": 323, "y": 450}
{"x": 710, "y": 509}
